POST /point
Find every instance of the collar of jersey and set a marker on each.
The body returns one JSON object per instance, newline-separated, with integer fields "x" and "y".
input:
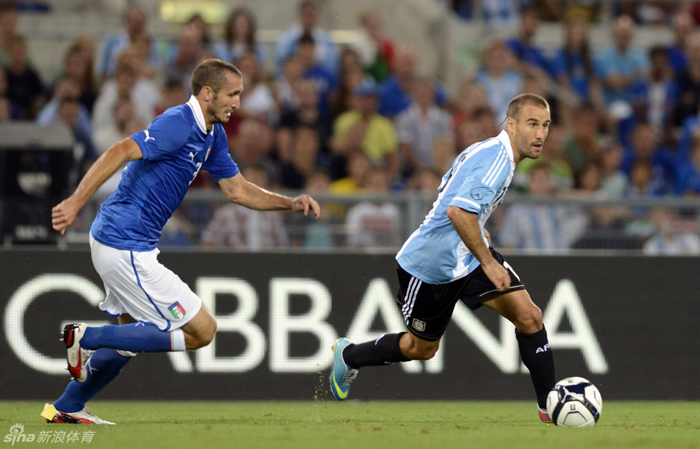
{"x": 505, "y": 140}
{"x": 198, "y": 114}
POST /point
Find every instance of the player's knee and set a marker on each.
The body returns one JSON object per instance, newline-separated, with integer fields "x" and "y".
{"x": 530, "y": 320}
{"x": 202, "y": 337}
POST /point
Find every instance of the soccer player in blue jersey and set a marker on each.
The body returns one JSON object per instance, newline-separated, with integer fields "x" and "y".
{"x": 156, "y": 310}
{"x": 449, "y": 258}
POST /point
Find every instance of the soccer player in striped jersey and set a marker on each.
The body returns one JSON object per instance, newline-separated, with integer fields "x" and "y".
{"x": 156, "y": 310}
{"x": 450, "y": 258}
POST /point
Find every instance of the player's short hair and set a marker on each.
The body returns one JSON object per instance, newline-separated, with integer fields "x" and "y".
{"x": 517, "y": 103}
{"x": 212, "y": 73}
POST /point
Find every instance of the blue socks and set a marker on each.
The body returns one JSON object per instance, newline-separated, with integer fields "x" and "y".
{"x": 136, "y": 337}
{"x": 104, "y": 365}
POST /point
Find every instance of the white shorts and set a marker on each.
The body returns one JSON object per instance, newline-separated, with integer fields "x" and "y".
{"x": 137, "y": 284}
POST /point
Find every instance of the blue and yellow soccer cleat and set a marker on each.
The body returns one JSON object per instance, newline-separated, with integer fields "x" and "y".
{"x": 341, "y": 374}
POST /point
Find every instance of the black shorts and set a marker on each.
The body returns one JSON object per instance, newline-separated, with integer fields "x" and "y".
{"x": 427, "y": 308}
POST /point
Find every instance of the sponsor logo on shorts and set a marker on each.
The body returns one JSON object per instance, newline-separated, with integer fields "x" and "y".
{"x": 418, "y": 325}
{"x": 177, "y": 310}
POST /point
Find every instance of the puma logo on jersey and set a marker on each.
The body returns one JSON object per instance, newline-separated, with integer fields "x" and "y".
{"x": 148, "y": 137}
{"x": 542, "y": 349}
{"x": 192, "y": 155}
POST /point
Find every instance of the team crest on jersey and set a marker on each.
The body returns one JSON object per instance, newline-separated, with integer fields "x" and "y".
{"x": 177, "y": 310}
{"x": 418, "y": 325}
{"x": 206, "y": 156}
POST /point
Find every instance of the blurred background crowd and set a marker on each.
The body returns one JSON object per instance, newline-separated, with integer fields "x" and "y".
{"x": 360, "y": 126}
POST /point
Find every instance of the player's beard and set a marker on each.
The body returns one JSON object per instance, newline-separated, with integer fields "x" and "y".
{"x": 213, "y": 113}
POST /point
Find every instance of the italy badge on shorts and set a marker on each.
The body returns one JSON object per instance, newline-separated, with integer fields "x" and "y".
{"x": 177, "y": 310}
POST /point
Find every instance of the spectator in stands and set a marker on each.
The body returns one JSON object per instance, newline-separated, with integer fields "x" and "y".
{"x": 471, "y": 96}
{"x": 644, "y": 146}
{"x": 374, "y": 224}
{"x": 304, "y": 163}
{"x": 500, "y": 13}
{"x": 621, "y": 66}
{"x": 324, "y": 51}
{"x": 341, "y": 98}
{"x": 126, "y": 83}
{"x": 190, "y": 52}
{"x": 683, "y": 26}
{"x": 172, "y": 94}
{"x": 283, "y": 86}
{"x": 660, "y": 94}
{"x": 542, "y": 226}
{"x": 689, "y": 82}
{"x": 425, "y": 181}
{"x": 197, "y": 22}
{"x": 241, "y": 228}
{"x": 641, "y": 185}
{"x": 240, "y": 38}
{"x": 8, "y": 108}
{"x": 177, "y": 232}
{"x": 323, "y": 77}
{"x": 84, "y": 150}
{"x": 135, "y": 21}
{"x": 8, "y": 29}
{"x": 307, "y": 113}
{"x": 530, "y": 57}
{"x": 444, "y": 154}
{"x": 64, "y": 89}
{"x": 395, "y": 92}
{"x": 374, "y": 47}
{"x": 124, "y": 125}
{"x": 142, "y": 46}
{"x": 560, "y": 174}
{"x": 257, "y": 99}
{"x": 673, "y": 237}
{"x": 613, "y": 180}
{"x": 358, "y": 164}
{"x": 362, "y": 128}
{"x": 499, "y": 79}
{"x": 688, "y": 175}
{"x": 252, "y": 146}
{"x": 77, "y": 66}
{"x": 572, "y": 65}
{"x": 581, "y": 143}
{"x": 419, "y": 126}
{"x": 24, "y": 84}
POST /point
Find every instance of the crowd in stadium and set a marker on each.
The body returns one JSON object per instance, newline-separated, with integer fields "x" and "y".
{"x": 359, "y": 117}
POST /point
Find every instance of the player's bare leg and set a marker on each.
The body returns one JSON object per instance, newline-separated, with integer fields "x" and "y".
{"x": 200, "y": 330}
{"x": 416, "y": 348}
{"x": 534, "y": 347}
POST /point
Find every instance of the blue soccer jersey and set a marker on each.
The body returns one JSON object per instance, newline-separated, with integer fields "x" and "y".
{"x": 175, "y": 147}
{"x": 477, "y": 182}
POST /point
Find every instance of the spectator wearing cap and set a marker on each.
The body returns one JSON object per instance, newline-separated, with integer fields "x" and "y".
{"x": 362, "y": 128}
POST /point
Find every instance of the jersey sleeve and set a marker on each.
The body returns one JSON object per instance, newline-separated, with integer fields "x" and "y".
{"x": 219, "y": 162}
{"x": 165, "y": 135}
{"x": 482, "y": 181}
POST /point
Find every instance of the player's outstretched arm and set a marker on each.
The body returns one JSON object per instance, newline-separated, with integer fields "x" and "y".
{"x": 238, "y": 190}
{"x": 467, "y": 226}
{"x": 63, "y": 215}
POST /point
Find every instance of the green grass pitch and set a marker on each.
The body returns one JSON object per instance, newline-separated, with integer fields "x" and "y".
{"x": 363, "y": 425}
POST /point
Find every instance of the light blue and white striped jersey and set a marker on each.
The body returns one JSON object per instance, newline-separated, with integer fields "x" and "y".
{"x": 477, "y": 182}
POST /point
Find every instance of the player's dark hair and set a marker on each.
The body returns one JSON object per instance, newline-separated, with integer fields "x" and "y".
{"x": 212, "y": 73}
{"x": 517, "y": 103}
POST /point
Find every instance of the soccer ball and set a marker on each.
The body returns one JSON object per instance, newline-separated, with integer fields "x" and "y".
{"x": 574, "y": 402}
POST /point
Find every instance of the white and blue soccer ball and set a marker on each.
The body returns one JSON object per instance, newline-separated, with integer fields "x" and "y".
{"x": 574, "y": 402}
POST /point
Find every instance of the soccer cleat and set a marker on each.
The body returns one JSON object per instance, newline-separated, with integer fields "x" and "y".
{"x": 341, "y": 374}
{"x": 76, "y": 355}
{"x": 84, "y": 416}
{"x": 544, "y": 416}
